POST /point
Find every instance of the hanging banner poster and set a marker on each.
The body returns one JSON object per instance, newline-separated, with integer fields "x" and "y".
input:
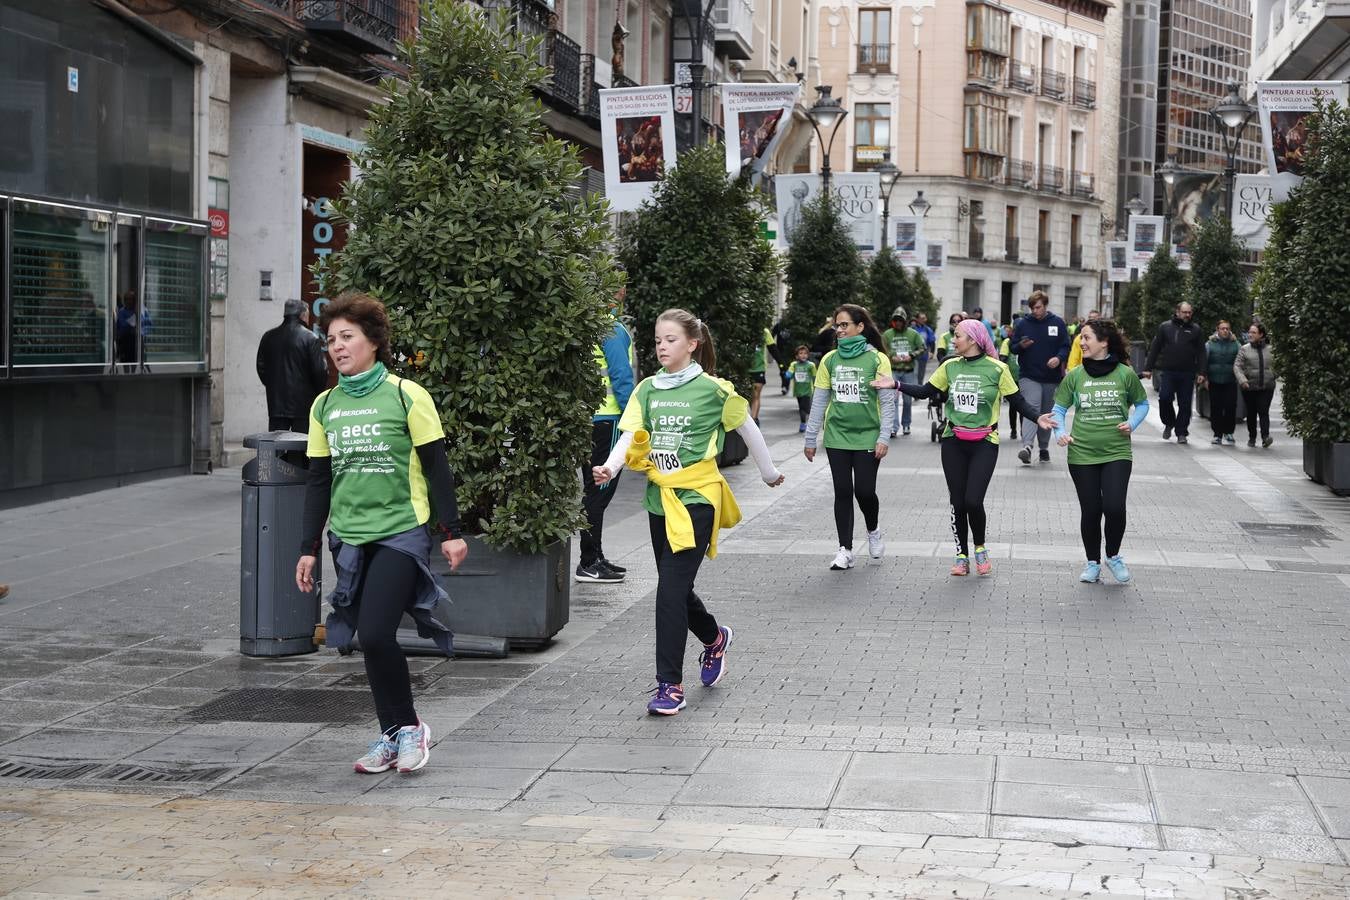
{"x": 637, "y": 133}
{"x": 1182, "y": 254}
{"x": 935, "y": 254}
{"x": 1117, "y": 261}
{"x": 1253, "y": 196}
{"x": 1145, "y": 236}
{"x": 1284, "y": 105}
{"x": 756, "y": 116}
{"x": 859, "y": 196}
{"x": 908, "y": 245}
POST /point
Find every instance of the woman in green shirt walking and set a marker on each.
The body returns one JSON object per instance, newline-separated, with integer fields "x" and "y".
{"x": 1110, "y": 403}
{"x": 857, "y": 425}
{"x": 974, "y": 381}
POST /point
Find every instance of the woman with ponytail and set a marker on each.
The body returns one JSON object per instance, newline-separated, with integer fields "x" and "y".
{"x": 1110, "y": 403}
{"x": 974, "y": 381}
{"x": 673, "y": 429}
{"x": 857, "y": 426}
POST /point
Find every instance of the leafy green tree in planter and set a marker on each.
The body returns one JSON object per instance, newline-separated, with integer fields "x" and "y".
{"x": 496, "y": 278}
{"x": 923, "y": 300}
{"x": 1163, "y": 287}
{"x": 1129, "y": 312}
{"x": 1216, "y": 287}
{"x": 823, "y": 268}
{"x": 888, "y": 286}
{"x": 1304, "y": 285}
{"x": 696, "y": 245}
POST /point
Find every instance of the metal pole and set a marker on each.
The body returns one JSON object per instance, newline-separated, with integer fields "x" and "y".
{"x": 1229, "y": 175}
{"x": 696, "y": 86}
{"x": 885, "y": 216}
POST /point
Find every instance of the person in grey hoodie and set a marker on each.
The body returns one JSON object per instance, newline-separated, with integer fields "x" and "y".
{"x": 1255, "y": 372}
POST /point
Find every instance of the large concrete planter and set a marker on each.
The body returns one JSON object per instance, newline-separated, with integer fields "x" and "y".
{"x": 1315, "y": 461}
{"x": 524, "y": 598}
{"x": 1336, "y": 468}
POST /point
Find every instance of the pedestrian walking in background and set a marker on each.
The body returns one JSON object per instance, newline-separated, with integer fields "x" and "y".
{"x": 803, "y": 373}
{"x": 371, "y": 477}
{"x": 673, "y": 428}
{"x": 1109, "y": 403}
{"x": 903, "y": 345}
{"x": 1177, "y": 354}
{"x": 759, "y": 364}
{"x": 782, "y": 342}
{"x": 1255, "y": 372}
{"x": 974, "y": 382}
{"x": 614, "y": 358}
{"x": 824, "y": 342}
{"x": 1009, "y": 359}
{"x": 292, "y": 369}
{"x": 944, "y": 341}
{"x": 1220, "y": 353}
{"x": 1041, "y": 342}
{"x": 920, "y": 324}
{"x": 857, "y": 421}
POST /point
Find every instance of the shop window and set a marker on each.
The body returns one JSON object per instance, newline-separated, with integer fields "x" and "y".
{"x": 59, "y": 288}
{"x": 174, "y": 292}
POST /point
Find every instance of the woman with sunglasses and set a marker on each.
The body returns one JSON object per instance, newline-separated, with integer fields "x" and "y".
{"x": 856, "y": 423}
{"x": 974, "y": 382}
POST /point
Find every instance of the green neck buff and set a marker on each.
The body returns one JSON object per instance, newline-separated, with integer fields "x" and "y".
{"x": 367, "y": 381}
{"x": 850, "y": 347}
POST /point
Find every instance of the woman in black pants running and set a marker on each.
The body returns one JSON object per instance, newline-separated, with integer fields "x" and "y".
{"x": 857, "y": 425}
{"x": 974, "y": 381}
{"x": 377, "y": 464}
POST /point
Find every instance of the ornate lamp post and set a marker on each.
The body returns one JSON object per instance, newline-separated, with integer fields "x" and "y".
{"x": 888, "y": 174}
{"x": 828, "y": 114}
{"x": 1232, "y": 116}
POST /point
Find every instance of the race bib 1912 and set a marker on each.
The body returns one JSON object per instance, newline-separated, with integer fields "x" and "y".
{"x": 966, "y": 401}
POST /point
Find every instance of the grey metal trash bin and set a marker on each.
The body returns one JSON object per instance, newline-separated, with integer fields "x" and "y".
{"x": 275, "y": 617}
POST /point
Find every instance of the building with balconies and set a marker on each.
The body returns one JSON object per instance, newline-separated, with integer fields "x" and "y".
{"x": 1300, "y": 40}
{"x": 992, "y": 110}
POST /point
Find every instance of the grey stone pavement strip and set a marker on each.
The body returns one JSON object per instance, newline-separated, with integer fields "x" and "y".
{"x": 1199, "y": 710}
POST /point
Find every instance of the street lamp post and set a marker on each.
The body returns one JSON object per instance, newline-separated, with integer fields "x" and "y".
{"x": 1135, "y": 207}
{"x": 827, "y": 113}
{"x": 1168, "y": 171}
{"x": 696, "y": 73}
{"x": 888, "y": 174}
{"x": 1232, "y": 116}
{"x": 919, "y": 206}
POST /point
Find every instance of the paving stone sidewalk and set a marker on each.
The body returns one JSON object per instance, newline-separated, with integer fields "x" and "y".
{"x": 1200, "y": 710}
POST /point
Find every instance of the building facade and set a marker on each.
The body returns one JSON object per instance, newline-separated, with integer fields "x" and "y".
{"x": 994, "y": 111}
{"x": 1300, "y": 40}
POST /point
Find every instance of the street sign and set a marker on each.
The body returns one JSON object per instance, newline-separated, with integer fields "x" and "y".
{"x": 684, "y": 96}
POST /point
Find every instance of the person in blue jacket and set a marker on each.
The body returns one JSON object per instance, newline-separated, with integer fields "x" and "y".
{"x": 1041, "y": 342}
{"x": 614, "y": 357}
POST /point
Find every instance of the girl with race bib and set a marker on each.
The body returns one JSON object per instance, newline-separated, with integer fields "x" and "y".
{"x": 1110, "y": 403}
{"x": 974, "y": 381}
{"x": 673, "y": 429}
{"x": 857, "y": 425}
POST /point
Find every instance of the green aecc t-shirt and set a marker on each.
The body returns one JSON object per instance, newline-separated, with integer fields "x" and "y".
{"x": 688, "y": 424}
{"x": 803, "y": 375}
{"x": 974, "y": 389}
{"x": 379, "y": 488}
{"x": 853, "y": 417}
{"x": 1102, "y": 404}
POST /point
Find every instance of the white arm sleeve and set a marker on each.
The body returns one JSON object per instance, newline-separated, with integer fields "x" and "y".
{"x": 617, "y": 455}
{"x": 759, "y": 451}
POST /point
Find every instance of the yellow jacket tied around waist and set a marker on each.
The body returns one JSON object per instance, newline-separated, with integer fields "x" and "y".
{"x": 703, "y": 477}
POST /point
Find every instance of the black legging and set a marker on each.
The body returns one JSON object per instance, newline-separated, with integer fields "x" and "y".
{"x": 855, "y": 475}
{"x": 969, "y": 467}
{"x": 1222, "y": 407}
{"x": 1101, "y": 494}
{"x": 678, "y": 609}
{"x": 1258, "y": 408}
{"x": 386, "y": 589}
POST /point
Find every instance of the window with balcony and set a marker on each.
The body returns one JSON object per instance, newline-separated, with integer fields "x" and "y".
{"x": 986, "y": 134}
{"x": 874, "y": 40}
{"x": 1012, "y": 245}
{"x": 871, "y": 135}
{"x": 987, "y": 28}
{"x": 1043, "y": 248}
{"x": 1076, "y": 242}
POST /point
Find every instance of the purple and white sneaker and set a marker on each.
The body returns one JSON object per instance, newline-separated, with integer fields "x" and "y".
{"x": 668, "y": 701}
{"x": 714, "y": 657}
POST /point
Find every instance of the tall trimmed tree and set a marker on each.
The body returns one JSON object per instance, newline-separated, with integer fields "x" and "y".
{"x": 497, "y": 278}
{"x": 1164, "y": 286}
{"x": 888, "y": 286}
{"x": 697, "y": 245}
{"x": 1216, "y": 288}
{"x": 823, "y": 268}
{"x": 923, "y": 300}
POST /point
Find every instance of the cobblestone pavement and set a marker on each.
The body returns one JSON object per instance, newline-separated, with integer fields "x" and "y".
{"x": 887, "y": 728}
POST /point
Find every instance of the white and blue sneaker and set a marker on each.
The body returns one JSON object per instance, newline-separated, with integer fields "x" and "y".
{"x": 1118, "y": 569}
{"x": 1092, "y": 573}
{"x": 414, "y": 747}
{"x": 379, "y": 758}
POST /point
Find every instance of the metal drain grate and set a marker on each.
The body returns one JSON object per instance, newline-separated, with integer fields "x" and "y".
{"x": 1313, "y": 568}
{"x": 285, "y": 705}
{"x": 133, "y": 774}
{"x": 1286, "y": 533}
{"x": 16, "y": 769}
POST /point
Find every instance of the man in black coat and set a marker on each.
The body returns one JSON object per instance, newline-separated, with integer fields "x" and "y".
{"x": 293, "y": 366}
{"x": 1177, "y": 354}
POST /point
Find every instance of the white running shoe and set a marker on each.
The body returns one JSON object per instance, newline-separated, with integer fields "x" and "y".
{"x": 874, "y": 544}
{"x": 380, "y": 757}
{"x": 414, "y": 747}
{"x": 842, "y": 560}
